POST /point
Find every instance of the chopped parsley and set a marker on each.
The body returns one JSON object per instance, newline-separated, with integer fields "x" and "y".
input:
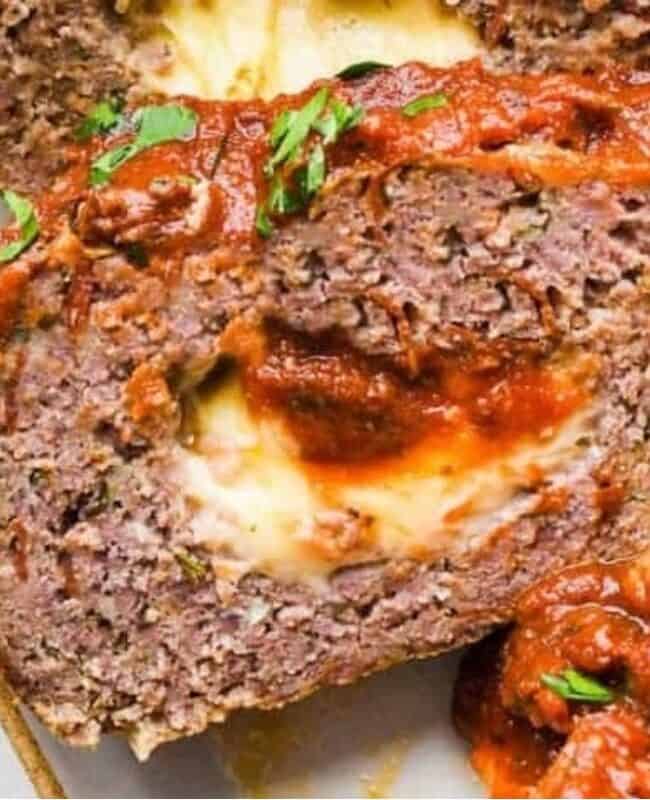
{"x": 25, "y": 219}
{"x": 315, "y": 173}
{"x": 293, "y": 130}
{"x": 102, "y": 169}
{"x": 193, "y": 567}
{"x": 282, "y": 123}
{"x": 574, "y": 685}
{"x": 425, "y": 103}
{"x": 322, "y": 114}
{"x": 283, "y": 200}
{"x": 100, "y": 120}
{"x": 360, "y": 70}
{"x": 341, "y": 118}
{"x": 154, "y": 125}
{"x": 137, "y": 255}
{"x": 159, "y": 124}
{"x": 263, "y": 224}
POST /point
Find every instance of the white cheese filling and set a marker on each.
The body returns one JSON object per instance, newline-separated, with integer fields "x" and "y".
{"x": 260, "y": 507}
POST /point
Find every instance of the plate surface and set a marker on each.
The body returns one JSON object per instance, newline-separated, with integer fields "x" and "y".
{"x": 388, "y": 736}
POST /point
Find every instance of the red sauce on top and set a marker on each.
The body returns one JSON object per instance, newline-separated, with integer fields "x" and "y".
{"x": 573, "y": 128}
{"x": 597, "y": 127}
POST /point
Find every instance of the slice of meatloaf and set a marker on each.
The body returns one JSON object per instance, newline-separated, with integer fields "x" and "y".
{"x": 502, "y": 232}
{"x": 56, "y": 58}
{"x": 562, "y": 34}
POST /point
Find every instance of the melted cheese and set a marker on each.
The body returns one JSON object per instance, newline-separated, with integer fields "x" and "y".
{"x": 261, "y": 506}
{"x": 244, "y": 48}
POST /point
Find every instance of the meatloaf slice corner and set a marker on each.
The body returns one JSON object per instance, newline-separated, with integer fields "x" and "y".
{"x": 499, "y": 223}
{"x": 57, "y": 57}
{"x": 576, "y": 35}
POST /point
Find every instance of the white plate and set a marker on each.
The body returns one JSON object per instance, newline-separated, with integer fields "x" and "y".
{"x": 388, "y": 736}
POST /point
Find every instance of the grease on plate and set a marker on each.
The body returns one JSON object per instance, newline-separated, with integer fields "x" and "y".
{"x": 390, "y": 759}
{"x": 385, "y": 736}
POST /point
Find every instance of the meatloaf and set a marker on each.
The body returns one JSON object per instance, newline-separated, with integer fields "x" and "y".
{"x": 481, "y": 253}
{"x": 562, "y": 34}
{"x": 56, "y": 58}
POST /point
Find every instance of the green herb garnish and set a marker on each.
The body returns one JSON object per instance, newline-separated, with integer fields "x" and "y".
{"x": 281, "y": 125}
{"x": 159, "y": 124}
{"x": 425, "y": 103}
{"x": 360, "y": 70}
{"x": 287, "y": 137}
{"x": 315, "y": 173}
{"x": 103, "y": 168}
{"x": 348, "y": 116}
{"x": 292, "y": 132}
{"x": 25, "y": 218}
{"x": 573, "y": 685}
{"x": 342, "y": 118}
{"x": 155, "y": 125}
{"x": 328, "y": 128}
{"x": 137, "y": 255}
{"x": 263, "y": 224}
{"x": 282, "y": 200}
{"x": 193, "y": 567}
{"x": 100, "y": 120}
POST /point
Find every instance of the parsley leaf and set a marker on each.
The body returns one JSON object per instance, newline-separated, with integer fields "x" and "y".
{"x": 348, "y": 116}
{"x": 160, "y": 124}
{"x": 360, "y": 70}
{"x": 289, "y": 133}
{"x": 263, "y": 224}
{"x": 103, "y": 167}
{"x": 342, "y": 118}
{"x": 292, "y": 133}
{"x": 25, "y": 218}
{"x": 573, "y": 685}
{"x": 281, "y": 125}
{"x": 281, "y": 199}
{"x": 137, "y": 255}
{"x": 155, "y": 125}
{"x": 101, "y": 119}
{"x": 315, "y": 175}
{"x": 425, "y": 103}
{"x": 328, "y": 128}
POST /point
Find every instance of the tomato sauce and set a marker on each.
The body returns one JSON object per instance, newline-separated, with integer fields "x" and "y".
{"x": 527, "y": 740}
{"x": 576, "y": 128}
{"x": 369, "y": 416}
{"x": 507, "y": 752}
